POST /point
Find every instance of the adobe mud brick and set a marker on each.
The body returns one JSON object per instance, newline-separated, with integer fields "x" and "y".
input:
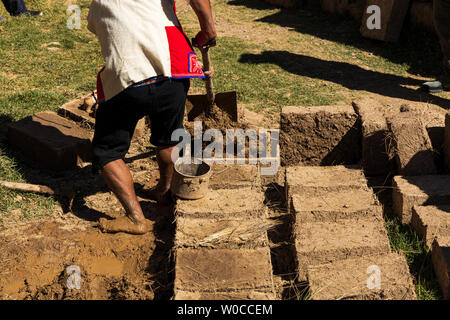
{"x": 375, "y": 156}
{"x": 431, "y": 221}
{"x": 51, "y": 141}
{"x": 349, "y": 279}
{"x": 392, "y": 16}
{"x": 300, "y": 179}
{"x": 332, "y": 205}
{"x": 220, "y": 233}
{"x": 234, "y": 176}
{"x": 223, "y": 270}
{"x": 71, "y": 110}
{"x": 225, "y": 203}
{"x": 328, "y": 135}
{"x": 418, "y": 190}
{"x": 232, "y": 295}
{"x": 441, "y": 264}
{"x": 413, "y": 149}
{"x": 325, "y": 242}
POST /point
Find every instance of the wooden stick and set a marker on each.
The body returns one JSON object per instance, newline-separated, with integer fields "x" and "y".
{"x": 27, "y": 187}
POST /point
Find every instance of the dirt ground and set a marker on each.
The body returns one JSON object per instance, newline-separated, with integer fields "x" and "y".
{"x": 35, "y": 254}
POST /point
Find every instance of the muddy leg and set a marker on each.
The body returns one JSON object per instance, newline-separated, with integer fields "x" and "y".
{"x": 160, "y": 191}
{"x": 118, "y": 179}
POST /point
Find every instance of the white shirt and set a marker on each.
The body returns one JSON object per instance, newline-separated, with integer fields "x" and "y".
{"x": 140, "y": 39}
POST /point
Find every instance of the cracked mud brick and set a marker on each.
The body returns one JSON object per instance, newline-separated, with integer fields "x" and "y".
{"x": 223, "y": 270}
{"x": 413, "y": 149}
{"x": 221, "y": 233}
{"x": 431, "y": 221}
{"x": 225, "y": 203}
{"x": 349, "y": 279}
{"x": 306, "y": 179}
{"x": 375, "y": 153}
{"x": 323, "y": 242}
{"x": 418, "y": 190}
{"x": 327, "y": 206}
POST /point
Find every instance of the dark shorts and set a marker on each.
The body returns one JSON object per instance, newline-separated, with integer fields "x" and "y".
{"x": 116, "y": 119}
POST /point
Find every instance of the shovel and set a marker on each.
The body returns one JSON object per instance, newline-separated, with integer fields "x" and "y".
{"x": 199, "y": 104}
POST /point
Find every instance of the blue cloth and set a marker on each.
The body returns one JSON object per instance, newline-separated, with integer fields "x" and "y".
{"x": 15, "y": 7}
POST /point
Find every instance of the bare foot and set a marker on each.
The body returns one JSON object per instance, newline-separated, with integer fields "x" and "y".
{"x": 125, "y": 224}
{"x": 161, "y": 197}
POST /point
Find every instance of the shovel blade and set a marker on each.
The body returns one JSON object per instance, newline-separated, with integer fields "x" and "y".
{"x": 226, "y": 101}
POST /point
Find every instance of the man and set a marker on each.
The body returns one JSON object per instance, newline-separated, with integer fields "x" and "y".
{"x": 148, "y": 63}
{"x": 17, "y": 8}
{"x": 441, "y": 11}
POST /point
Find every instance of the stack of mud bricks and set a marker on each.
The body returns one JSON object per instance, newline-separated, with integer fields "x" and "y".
{"x": 422, "y": 199}
{"x": 218, "y": 253}
{"x": 340, "y": 237}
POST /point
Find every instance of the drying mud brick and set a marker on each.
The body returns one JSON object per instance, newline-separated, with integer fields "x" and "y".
{"x": 299, "y": 179}
{"x": 350, "y": 279}
{"x": 221, "y": 233}
{"x": 392, "y": 14}
{"x": 331, "y": 205}
{"x": 225, "y": 203}
{"x": 222, "y": 270}
{"x": 431, "y": 221}
{"x": 324, "y": 242}
{"x": 232, "y": 295}
{"x": 234, "y": 176}
{"x": 328, "y": 135}
{"x": 413, "y": 148}
{"x": 441, "y": 263}
{"x": 418, "y": 190}
{"x": 71, "y": 110}
{"x": 51, "y": 141}
{"x": 375, "y": 156}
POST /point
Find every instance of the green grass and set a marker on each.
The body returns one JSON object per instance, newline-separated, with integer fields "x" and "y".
{"x": 274, "y": 61}
{"x": 418, "y": 257}
{"x": 33, "y": 79}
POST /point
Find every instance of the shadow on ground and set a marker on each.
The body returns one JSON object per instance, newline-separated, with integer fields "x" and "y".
{"x": 418, "y": 48}
{"x": 348, "y": 75}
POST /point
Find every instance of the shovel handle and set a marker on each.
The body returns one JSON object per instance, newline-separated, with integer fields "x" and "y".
{"x": 208, "y": 81}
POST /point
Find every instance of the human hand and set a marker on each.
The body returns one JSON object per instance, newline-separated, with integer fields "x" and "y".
{"x": 208, "y": 74}
{"x": 202, "y": 40}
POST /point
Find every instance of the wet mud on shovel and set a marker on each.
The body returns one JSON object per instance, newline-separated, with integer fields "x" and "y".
{"x": 199, "y": 104}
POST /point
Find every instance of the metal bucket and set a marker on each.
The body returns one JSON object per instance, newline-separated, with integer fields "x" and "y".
{"x": 190, "y": 180}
